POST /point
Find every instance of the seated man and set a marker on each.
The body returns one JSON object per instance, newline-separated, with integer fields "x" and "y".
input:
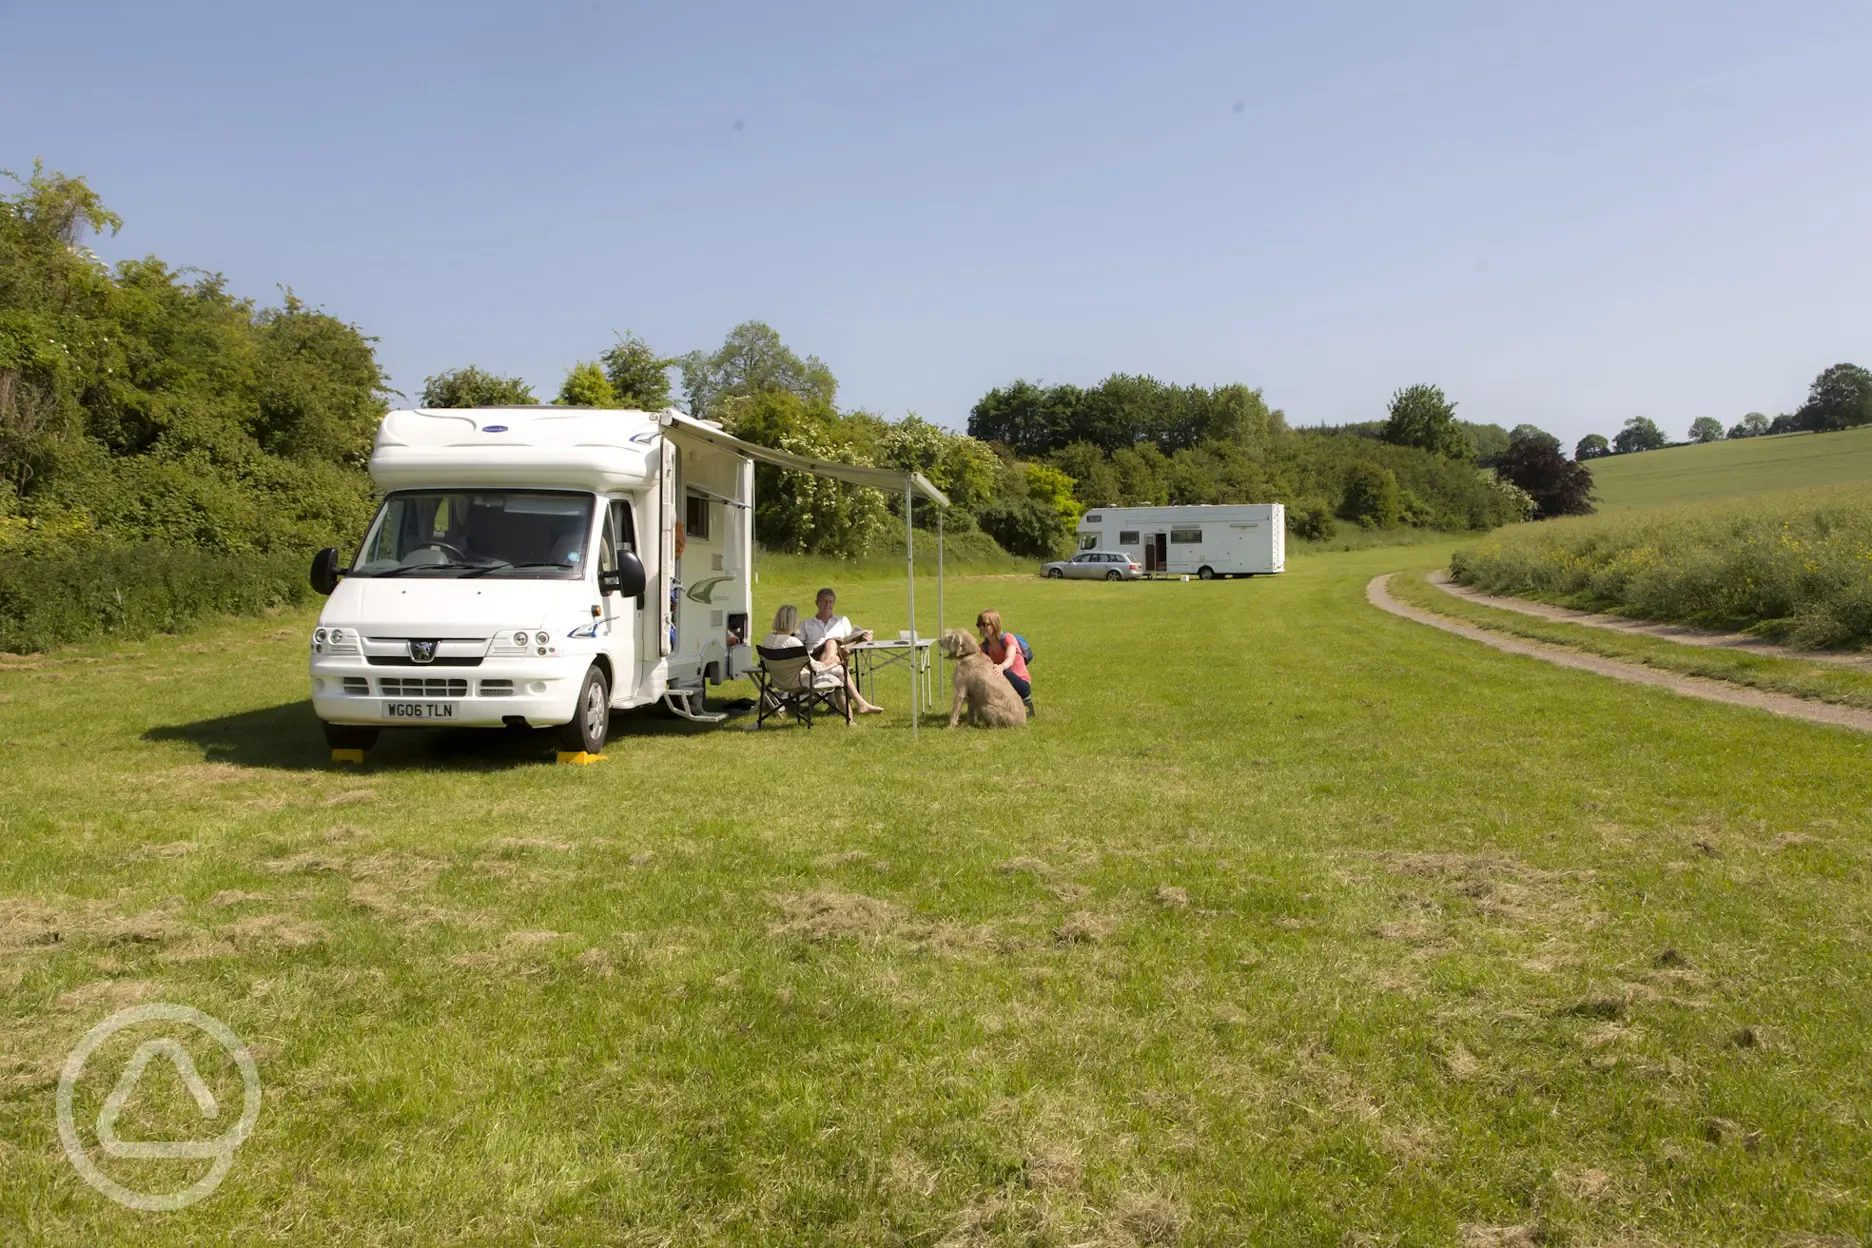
{"x": 829, "y": 626}
{"x": 827, "y": 634}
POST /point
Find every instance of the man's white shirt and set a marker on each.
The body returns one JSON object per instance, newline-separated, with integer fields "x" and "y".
{"x": 814, "y": 631}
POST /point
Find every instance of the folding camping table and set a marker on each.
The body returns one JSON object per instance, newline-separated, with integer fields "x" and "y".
{"x": 868, "y": 656}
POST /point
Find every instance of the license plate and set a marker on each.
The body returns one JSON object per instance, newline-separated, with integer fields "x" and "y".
{"x": 419, "y": 710}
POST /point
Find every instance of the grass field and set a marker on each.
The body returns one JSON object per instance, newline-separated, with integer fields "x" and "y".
{"x": 1716, "y": 470}
{"x": 1287, "y": 922}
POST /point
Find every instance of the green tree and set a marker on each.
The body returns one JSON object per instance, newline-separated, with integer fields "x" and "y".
{"x": 1054, "y": 488}
{"x": 472, "y": 387}
{"x": 140, "y": 405}
{"x": 1840, "y": 398}
{"x": 1558, "y": 486}
{"x": 752, "y": 360}
{"x": 1141, "y": 470}
{"x": 586, "y": 386}
{"x": 958, "y": 465}
{"x": 1485, "y": 441}
{"x": 1423, "y": 417}
{"x": 1639, "y": 434}
{"x": 1706, "y": 429}
{"x": 1095, "y": 483}
{"x": 1371, "y": 496}
{"x": 798, "y": 512}
{"x": 638, "y": 376}
{"x": 1533, "y": 434}
{"x": 1592, "y": 446}
{"x": 1753, "y": 425}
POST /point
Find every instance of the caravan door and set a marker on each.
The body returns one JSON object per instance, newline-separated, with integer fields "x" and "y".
{"x": 618, "y": 625}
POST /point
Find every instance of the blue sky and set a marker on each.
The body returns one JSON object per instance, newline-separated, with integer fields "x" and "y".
{"x": 1562, "y": 213}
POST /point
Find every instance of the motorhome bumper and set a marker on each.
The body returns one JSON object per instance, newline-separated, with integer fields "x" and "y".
{"x": 542, "y": 691}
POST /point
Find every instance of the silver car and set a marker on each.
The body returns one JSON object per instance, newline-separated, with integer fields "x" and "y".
{"x": 1095, "y": 565}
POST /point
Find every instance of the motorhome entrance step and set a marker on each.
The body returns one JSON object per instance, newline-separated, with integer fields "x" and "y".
{"x": 692, "y": 704}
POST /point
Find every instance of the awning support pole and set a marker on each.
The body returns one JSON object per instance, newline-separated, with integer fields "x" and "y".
{"x": 916, "y": 711}
{"x": 940, "y": 620}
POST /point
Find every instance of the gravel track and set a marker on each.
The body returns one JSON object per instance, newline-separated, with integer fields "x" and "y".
{"x": 1379, "y": 595}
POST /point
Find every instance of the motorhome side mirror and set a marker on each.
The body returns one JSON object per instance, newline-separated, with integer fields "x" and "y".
{"x": 325, "y": 571}
{"x": 627, "y": 581}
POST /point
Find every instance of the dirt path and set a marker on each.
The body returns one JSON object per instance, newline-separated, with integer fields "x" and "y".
{"x": 1670, "y": 632}
{"x": 1377, "y": 593}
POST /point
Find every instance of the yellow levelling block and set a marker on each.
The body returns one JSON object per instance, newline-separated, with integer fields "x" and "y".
{"x": 347, "y": 756}
{"x": 579, "y": 758}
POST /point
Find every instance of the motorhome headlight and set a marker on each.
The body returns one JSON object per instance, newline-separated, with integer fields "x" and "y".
{"x": 335, "y": 641}
{"x": 542, "y": 638}
{"x": 520, "y": 639}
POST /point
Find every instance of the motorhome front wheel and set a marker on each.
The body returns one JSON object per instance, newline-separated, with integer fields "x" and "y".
{"x": 591, "y": 715}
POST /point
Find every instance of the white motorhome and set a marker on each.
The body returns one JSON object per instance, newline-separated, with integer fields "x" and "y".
{"x": 1248, "y": 539}
{"x": 537, "y": 567}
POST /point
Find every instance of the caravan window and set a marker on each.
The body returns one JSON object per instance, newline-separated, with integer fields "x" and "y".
{"x": 1127, "y": 537}
{"x": 696, "y": 518}
{"x": 1088, "y": 541}
{"x": 1186, "y": 536}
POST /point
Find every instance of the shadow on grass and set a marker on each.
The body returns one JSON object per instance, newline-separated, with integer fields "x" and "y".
{"x": 288, "y": 738}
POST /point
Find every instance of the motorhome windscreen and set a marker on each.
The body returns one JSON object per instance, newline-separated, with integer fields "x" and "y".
{"x": 515, "y": 534}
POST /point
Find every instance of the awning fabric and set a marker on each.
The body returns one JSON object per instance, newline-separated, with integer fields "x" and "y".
{"x": 690, "y": 429}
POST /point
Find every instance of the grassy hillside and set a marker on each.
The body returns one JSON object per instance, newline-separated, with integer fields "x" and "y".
{"x": 1795, "y": 565}
{"x": 1288, "y": 922}
{"x": 1695, "y": 474}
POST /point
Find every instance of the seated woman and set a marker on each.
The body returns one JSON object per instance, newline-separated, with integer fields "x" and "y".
{"x": 1004, "y": 651}
{"x": 785, "y": 636}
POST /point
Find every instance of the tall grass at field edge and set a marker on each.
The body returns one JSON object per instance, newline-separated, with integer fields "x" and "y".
{"x": 1796, "y": 567}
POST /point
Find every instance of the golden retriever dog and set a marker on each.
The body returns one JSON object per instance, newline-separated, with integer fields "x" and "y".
{"x": 979, "y": 686}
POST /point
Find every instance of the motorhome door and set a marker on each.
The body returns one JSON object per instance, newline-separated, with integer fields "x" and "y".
{"x": 618, "y": 628}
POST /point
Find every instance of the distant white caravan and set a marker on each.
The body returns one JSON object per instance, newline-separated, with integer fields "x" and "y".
{"x": 1248, "y": 539}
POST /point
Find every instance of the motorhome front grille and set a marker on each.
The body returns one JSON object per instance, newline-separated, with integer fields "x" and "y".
{"x": 417, "y": 687}
{"x": 497, "y": 688}
{"x": 356, "y": 685}
{"x": 403, "y": 660}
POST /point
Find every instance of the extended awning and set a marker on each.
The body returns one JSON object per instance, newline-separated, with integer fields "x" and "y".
{"x": 688, "y": 429}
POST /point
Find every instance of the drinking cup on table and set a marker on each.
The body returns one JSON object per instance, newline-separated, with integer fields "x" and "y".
{"x": 903, "y": 634}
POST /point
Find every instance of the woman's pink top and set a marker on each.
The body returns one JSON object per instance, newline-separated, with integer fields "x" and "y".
{"x": 997, "y": 650}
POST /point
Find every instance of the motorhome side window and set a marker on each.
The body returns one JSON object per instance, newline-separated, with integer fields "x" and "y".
{"x": 1088, "y": 541}
{"x": 522, "y": 534}
{"x": 696, "y": 518}
{"x": 1127, "y": 537}
{"x": 1185, "y": 536}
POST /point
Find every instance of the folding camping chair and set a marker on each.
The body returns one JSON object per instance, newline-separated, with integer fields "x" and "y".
{"x": 787, "y": 681}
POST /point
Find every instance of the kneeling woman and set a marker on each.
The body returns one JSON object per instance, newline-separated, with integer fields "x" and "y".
{"x": 1005, "y": 653}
